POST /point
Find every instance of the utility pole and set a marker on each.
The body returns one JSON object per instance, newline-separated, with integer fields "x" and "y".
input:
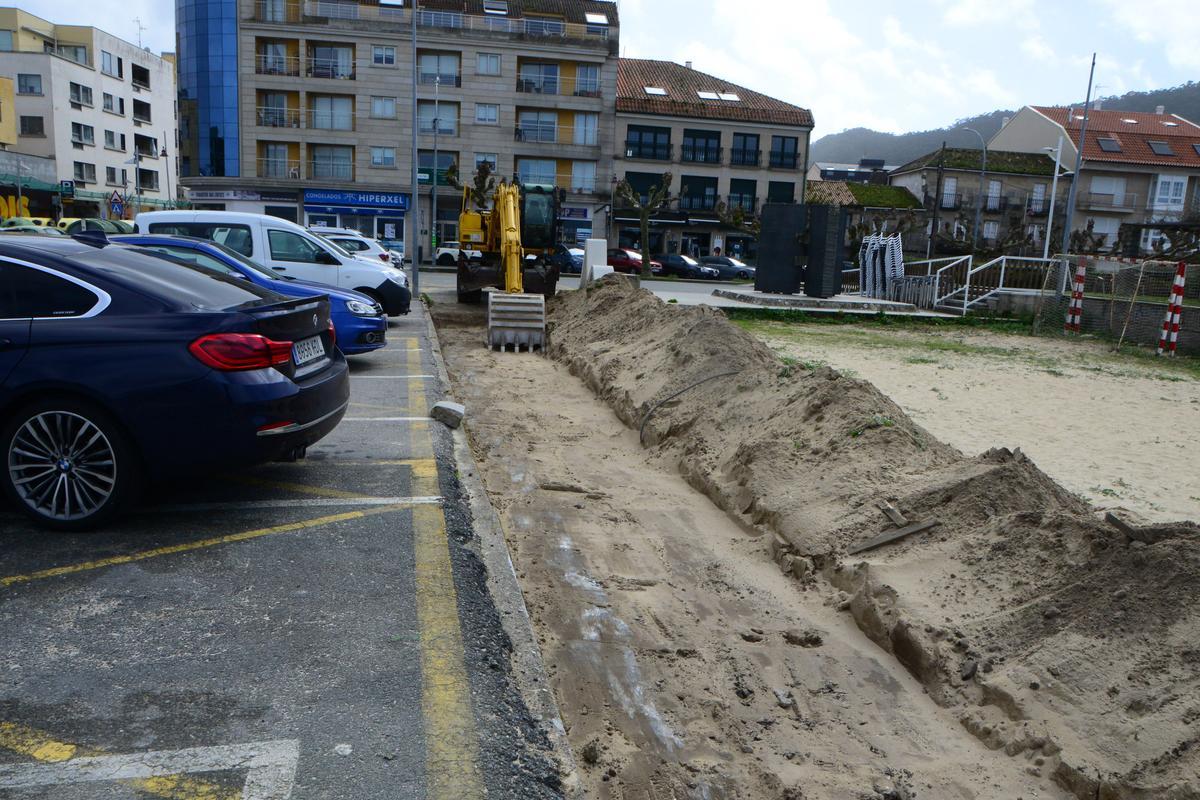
{"x": 937, "y": 203}
{"x": 20, "y": 196}
{"x": 979, "y": 200}
{"x": 437, "y": 123}
{"x": 1053, "y": 199}
{"x": 414, "y": 211}
{"x": 1070, "y": 213}
{"x": 167, "y": 171}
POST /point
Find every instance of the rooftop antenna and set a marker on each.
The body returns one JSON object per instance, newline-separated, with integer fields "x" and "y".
{"x": 138, "y": 21}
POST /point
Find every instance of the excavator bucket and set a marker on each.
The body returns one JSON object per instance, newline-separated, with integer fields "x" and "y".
{"x": 516, "y": 320}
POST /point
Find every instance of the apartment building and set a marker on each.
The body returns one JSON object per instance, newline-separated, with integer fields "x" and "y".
{"x": 1014, "y": 205}
{"x": 102, "y": 108}
{"x": 302, "y": 108}
{"x": 727, "y": 147}
{"x": 1137, "y": 167}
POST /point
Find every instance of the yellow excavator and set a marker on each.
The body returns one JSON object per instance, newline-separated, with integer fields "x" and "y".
{"x": 515, "y": 238}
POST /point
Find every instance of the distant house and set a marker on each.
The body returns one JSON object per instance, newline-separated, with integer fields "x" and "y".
{"x": 871, "y": 208}
{"x": 1015, "y": 202}
{"x": 867, "y": 170}
{"x": 1137, "y": 167}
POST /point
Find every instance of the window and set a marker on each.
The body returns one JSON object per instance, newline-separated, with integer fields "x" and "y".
{"x": 595, "y": 19}
{"x": 708, "y": 95}
{"x": 141, "y": 111}
{"x": 538, "y": 126}
{"x": 6, "y": 41}
{"x": 950, "y": 192}
{"x": 536, "y": 171}
{"x": 26, "y": 292}
{"x": 383, "y": 107}
{"x": 745, "y": 151}
{"x": 442, "y": 116}
{"x": 383, "y": 156}
{"x": 147, "y": 179}
{"x": 781, "y": 192}
{"x": 289, "y": 246}
{"x": 82, "y": 134}
{"x": 1196, "y": 147}
{"x": 492, "y": 160}
{"x": 332, "y": 61}
{"x": 1161, "y": 148}
{"x": 991, "y": 230}
{"x": 538, "y": 78}
{"x": 85, "y": 173}
{"x": 646, "y": 142}
{"x": 33, "y": 126}
{"x": 499, "y": 7}
{"x": 332, "y": 113}
{"x": 1109, "y": 145}
{"x": 743, "y": 194}
{"x": 487, "y": 113}
{"x": 1169, "y": 191}
{"x": 583, "y": 176}
{"x": 332, "y": 161}
{"x": 586, "y": 128}
{"x": 487, "y": 64}
{"x": 1037, "y": 201}
{"x": 139, "y": 76}
{"x": 657, "y": 91}
{"x": 81, "y": 94}
{"x": 383, "y": 55}
{"x": 425, "y": 166}
{"x": 697, "y": 193}
{"x": 438, "y": 68}
{"x": 111, "y": 65}
{"x": 235, "y": 237}
{"x": 784, "y": 151}
{"x": 702, "y": 147}
{"x": 274, "y": 162}
{"x": 729, "y": 97}
{"x": 75, "y": 52}
{"x": 29, "y": 84}
{"x": 587, "y": 80}
{"x": 115, "y": 177}
{"x": 113, "y": 105}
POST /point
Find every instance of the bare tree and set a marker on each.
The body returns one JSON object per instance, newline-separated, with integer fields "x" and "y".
{"x": 659, "y": 197}
{"x": 483, "y": 183}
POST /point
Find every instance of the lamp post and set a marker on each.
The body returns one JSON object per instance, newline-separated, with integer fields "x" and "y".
{"x": 20, "y": 196}
{"x": 167, "y": 171}
{"x": 1053, "y": 196}
{"x": 433, "y": 221}
{"x": 979, "y": 203}
{"x": 414, "y": 212}
{"x": 1070, "y": 213}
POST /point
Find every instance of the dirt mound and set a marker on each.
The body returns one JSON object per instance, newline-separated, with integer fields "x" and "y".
{"x": 1058, "y": 637}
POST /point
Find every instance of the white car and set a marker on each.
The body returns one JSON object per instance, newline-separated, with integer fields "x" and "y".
{"x": 356, "y": 243}
{"x": 447, "y": 255}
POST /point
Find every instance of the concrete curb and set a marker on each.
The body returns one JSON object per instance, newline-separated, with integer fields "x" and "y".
{"x": 528, "y": 667}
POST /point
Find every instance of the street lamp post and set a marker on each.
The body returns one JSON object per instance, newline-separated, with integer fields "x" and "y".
{"x": 433, "y": 221}
{"x": 167, "y": 172}
{"x": 979, "y": 200}
{"x": 1053, "y": 197}
{"x": 20, "y": 196}
{"x": 410, "y": 246}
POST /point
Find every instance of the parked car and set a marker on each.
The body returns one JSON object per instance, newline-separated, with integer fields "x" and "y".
{"x": 72, "y": 225}
{"x": 288, "y": 249}
{"x": 121, "y": 365}
{"x": 685, "y": 267}
{"x": 728, "y": 267}
{"x": 357, "y": 244}
{"x": 447, "y": 255}
{"x": 569, "y": 260}
{"x": 359, "y": 322}
{"x": 40, "y": 230}
{"x": 25, "y": 222}
{"x": 630, "y": 261}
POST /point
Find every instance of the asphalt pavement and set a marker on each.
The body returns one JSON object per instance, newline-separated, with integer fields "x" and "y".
{"x": 319, "y": 629}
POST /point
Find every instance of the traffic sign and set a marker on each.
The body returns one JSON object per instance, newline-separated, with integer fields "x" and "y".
{"x": 67, "y": 188}
{"x": 117, "y": 210}
{"x": 116, "y": 198}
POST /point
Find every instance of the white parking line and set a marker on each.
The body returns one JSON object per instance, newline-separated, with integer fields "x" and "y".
{"x": 271, "y": 765}
{"x": 386, "y": 419}
{"x": 310, "y": 502}
{"x": 392, "y": 377}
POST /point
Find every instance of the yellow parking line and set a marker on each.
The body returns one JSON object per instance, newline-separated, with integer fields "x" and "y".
{"x": 186, "y": 547}
{"x": 298, "y": 488}
{"x": 43, "y": 747}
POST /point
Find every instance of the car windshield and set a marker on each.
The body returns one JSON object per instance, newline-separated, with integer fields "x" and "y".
{"x": 635, "y": 256}
{"x": 733, "y": 262}
{"x": 691, "y": 262}
{"x": 337, "y": 247}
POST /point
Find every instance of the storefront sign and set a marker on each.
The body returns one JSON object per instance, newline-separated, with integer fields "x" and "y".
{"x": 579, "y": 213}
{"x": 386, "y": 201}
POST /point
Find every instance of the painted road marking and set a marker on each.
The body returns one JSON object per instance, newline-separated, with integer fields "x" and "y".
{"x": 271, "y": 770}
{"x": 393, "y": 377}
{"x": 451, "y": 739}
{"x": 299, "y": 488}
{"x": 385, "y": 419}
{"x": 316, "y": 502}
{"x": 185, "y": 547}
{"x": 43, "y": 747}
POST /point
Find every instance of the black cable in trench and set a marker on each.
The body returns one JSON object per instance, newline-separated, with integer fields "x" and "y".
{"x": 661, "y": 403}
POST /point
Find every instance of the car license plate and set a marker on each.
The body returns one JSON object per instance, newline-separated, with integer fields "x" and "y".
{"x": 307, "y": 350}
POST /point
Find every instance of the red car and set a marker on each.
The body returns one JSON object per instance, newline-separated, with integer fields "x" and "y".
{"x": 630, "y": 261}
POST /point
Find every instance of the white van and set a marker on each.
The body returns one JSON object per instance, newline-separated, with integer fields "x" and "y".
{"x": 288, "y": 249}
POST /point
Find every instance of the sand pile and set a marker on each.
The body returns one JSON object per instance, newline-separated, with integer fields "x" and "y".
{"x": 1058, "y": 637}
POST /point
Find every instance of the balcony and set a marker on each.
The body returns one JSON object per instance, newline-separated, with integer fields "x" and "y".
{"x": 272, "y": 117}
{"x": 745, "y": 158}
{"x": 1118, "y": 201}
{"x": 783, "y": 160}
{"x": 550, "y": 133}
{"x": 140, "y": 77}
{"x": 649, "y": 152}
{"x": 951, "y": 202}
{"x": 747, "y": 203}
{"x": 700, "y": 154}
{"x": 332, "y": 68}
{"x": 995, "y": 205}
{"x": 442, "y": 127}
{"x": 278, "y": 11}
{"x": 277, "y": 65}
{"x": 706, "y": 202}
{"x": 450, "y": 79}
{"x": 330, "y": 169}
{"x": 568, "y": 87}
{"x": 1038, "y": 208}
{"x": 330, "y": 120}
{"x": 141, "y": 112}
{"x": 279, "y": 169}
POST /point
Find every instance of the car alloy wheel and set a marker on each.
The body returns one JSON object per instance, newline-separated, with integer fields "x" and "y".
{"x": 62, "y": 466}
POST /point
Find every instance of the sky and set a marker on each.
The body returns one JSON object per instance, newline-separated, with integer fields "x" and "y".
{"x": 879, "y": 64}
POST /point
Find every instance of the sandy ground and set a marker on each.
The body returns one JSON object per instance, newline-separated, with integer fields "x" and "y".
{"x": 1117, "y": 430}
{"x": 686, "y": 664}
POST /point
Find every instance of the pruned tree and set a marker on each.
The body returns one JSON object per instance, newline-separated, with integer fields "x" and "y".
{"x": 658, "y": 198}
{"x": 736, "y": 217}
{"x": 483, "y": 183}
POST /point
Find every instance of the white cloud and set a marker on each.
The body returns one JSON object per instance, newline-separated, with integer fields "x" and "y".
{"x": 1037, "y": 48}
{"x": 1170, "y": 26}
{"x": 115, "y": 17}
{"x": 963, "y": 13}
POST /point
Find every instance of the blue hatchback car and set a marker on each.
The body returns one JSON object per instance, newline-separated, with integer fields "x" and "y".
{"x": 117, "y": 365}
{"x": 360, "y": 322}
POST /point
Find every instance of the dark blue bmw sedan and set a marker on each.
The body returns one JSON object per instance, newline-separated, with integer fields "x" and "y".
{"x": 116, "y": 365}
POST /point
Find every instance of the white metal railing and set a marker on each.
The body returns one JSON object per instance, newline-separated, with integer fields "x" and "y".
{"x": 949, "y": 274}
{"x": 1005, "y": 275}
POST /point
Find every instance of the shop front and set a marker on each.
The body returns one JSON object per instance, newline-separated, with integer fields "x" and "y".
{"x": 282, "y": 204}
{"x": 379, "y": 215}
{"x": 575, "y": 224}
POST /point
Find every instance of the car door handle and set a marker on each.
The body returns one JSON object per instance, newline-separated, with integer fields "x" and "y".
{"x": 5, "y": 344}
{"x": 279, "y": 269}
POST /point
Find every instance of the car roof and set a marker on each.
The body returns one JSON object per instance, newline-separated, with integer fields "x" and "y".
{"x": 217, "y": 217}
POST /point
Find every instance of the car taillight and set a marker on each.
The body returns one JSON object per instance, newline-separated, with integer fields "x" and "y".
{"x": 332, "y": 334}
{"x": 386, "y": 257}
{"x": 233, "y": 352}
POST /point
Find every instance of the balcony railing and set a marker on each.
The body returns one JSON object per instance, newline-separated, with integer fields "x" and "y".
{"x": 277, "y": 65}
{"x": 746, "y": 202}
{"x": 1038, "y": 208}
{"x": 782, "y": 160}
{"x": 558, "y": 85}
{"x": 330, "y": 120}
{"x": 649, "y": 152}
{"x": 745, "y": 158}
{"x": 551, "y": 133}
{"x": 1112, "y": 200}
{"x": 450, "y": 79}
{"x": 335, "y": 68}
{"x": 271, "y": 117}
{"x": 442, "y": 127}
{"x": 995, "y": 204}
{"x": 700, "y": 154}
{"x": 399, "y": 18}
{"x": 951, "y": 202}
{"x": 706, "y": 202}
{"x": 279, "y": 169}
{"x": 329, "y": 169}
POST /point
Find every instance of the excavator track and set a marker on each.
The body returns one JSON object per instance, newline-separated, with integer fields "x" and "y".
{"x": 516, "y": 320}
